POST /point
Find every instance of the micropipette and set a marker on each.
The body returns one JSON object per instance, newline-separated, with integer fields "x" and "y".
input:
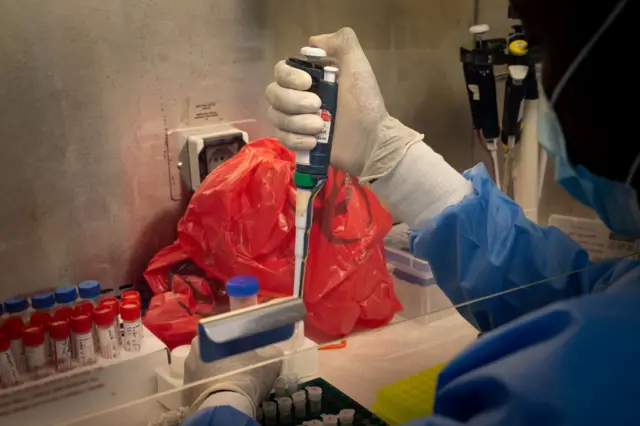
{"x": 513, "y": 111}
{"x": 477, "y": 66}
{"x": 272, "y": 322}
{"x": 312, "y": 167}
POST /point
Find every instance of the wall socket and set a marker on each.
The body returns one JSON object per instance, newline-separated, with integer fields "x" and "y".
{"x": 205, "y": 148}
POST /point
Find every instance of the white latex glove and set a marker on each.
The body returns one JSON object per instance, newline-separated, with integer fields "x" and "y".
{"x": 367, "y": 141}
{"x": 244, "y": 390}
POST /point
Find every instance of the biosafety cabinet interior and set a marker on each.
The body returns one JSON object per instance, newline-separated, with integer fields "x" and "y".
{"x": 91, "y": 186}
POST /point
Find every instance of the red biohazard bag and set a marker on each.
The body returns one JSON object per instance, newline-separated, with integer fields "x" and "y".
{"x": 241, "y": 222}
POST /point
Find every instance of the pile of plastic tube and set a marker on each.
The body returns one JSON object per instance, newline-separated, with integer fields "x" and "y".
{"x": 288, "y": 396}
{"x": 50, "y": 301}
{"x": 54, "y": 337}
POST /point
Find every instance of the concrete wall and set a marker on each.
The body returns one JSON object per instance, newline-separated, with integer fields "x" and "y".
{"x": 89, "y": 89}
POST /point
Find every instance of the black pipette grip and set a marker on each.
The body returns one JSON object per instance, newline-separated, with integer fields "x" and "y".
{"x": 512, "y": 114}
{"x": 481, "y": 90}
{"x": 327, "y": 91}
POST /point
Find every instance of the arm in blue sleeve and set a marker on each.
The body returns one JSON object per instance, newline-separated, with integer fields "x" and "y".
{"x": 571, "y": 363}
{"x": 219, "y": 416}
{"x": 485, "y": 245}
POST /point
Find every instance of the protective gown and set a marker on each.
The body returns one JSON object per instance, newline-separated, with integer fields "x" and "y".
{"x": 561, "y": 346}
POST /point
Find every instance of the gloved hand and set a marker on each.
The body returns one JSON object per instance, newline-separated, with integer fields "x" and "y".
{"x": 367, "y": 141}
{"x": 219, "y": 416}
{"x": 244, "y": 391}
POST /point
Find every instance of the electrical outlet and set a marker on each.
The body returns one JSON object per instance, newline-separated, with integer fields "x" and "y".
{"x": 216, "y": 151}
{"x": 206, "y": 148}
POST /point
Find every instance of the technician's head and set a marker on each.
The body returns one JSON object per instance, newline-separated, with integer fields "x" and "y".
{"x": 597, "y": 109}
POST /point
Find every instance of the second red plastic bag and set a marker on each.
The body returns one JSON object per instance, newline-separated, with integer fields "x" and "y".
{"x": 241, "y": 222}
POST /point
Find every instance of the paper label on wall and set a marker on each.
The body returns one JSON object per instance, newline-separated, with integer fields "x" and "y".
{"x": 204, "y": 111}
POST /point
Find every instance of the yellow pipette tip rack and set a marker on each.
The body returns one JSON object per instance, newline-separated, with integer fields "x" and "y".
{"x": 408, "y": 399}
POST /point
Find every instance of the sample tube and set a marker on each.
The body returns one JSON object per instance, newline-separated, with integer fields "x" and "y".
{"x": 17, "y": 307}
{"x": 63, "y": 313}
{"x": 315, "y": 399}
{"x": 66, "y": 296}
{"x": 60, "y": 337}
{"x": 105, "y": 320}
{"x": 85, "y": 307}
{"x": 9, "y": 375}
{"x": 43, "y": 302}
{"x": 280, "y": 386}
{"x": 130, "y": 314}
{"x": 270, "y": 410}
{"x": 292, "y": 382}
{"x": 13, "y": 327}
{"x": 329, "y": 420}
{"x": 242, "y": 292}
{"x": 300, "y": 404}
{"x": 82, "y": 328}
{"x": 346, "y": 416}
{"x": 131, "y": 295}
{"x": 284, "y": 408}
{"x": 114, "y": 304}
{"x": 111, "y": 302}
{"x": 90, "y": 291}
{"x": 35, "y": 350}
{"x": 43, "y": 319}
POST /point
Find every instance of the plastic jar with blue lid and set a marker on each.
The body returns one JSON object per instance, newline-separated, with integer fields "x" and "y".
{"x": 66, "y": 295}
{"x": 90, "y": 290}
{"x": 17, "y": 307}
{"x": 242, "y": 292}
{"x": 43, "y": 302}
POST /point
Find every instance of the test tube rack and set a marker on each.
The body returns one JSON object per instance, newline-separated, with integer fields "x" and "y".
{"x": 63, "y": 396}
{"x": 334, "y": 400}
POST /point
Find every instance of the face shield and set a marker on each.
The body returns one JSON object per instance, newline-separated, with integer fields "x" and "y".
{"x": 616, "y": 203}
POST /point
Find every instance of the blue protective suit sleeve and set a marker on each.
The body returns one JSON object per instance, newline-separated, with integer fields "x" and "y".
{"x": 573, "y": 363}
{"x": 219, "y": 416}
{"x": 485, "y": 245}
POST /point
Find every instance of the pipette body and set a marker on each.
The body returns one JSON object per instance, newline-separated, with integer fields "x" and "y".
{"x": 312, "y": 167}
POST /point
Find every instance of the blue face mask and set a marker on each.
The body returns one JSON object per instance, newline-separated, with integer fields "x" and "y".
{"x": 615, "y": 202}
